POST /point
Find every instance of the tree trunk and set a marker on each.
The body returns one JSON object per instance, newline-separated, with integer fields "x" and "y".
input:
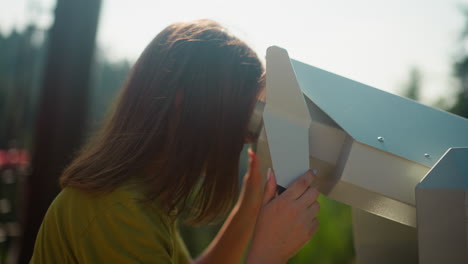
{"x": 62, "y": 111}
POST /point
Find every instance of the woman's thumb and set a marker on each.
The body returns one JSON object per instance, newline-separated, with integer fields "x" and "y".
{"x": 270, "y": 187}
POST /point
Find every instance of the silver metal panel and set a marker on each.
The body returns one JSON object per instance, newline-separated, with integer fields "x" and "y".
{"x": 441, "y": 210}
{"x": 450, "y": 172}
{"x": 289, "y": 148}
{"x": 466, "y": 218}
{"x": 374, "y": 203}
{"x": 365, "y": 178}
{"x": 286, "y": 119}
{"x": 283, "y": 94}
{"x": 325, "y": 138}
{"x": 383, "y": 173}
{"x": 379, "y": 240}
{"x": 441, "y": 226}
{"x": 408, "y": 129}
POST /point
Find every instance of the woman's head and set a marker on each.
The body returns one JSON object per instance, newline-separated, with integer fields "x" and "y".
{"x": 179, "y": 123}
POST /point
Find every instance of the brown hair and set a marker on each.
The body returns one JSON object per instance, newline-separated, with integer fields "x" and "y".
{"x": 179, "y": 124}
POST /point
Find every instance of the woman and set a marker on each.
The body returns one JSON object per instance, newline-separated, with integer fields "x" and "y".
{"x": 170, "y": 150}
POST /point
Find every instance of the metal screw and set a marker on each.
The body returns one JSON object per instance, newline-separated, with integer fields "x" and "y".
{"x": 381, "y": 139}
{"x": 427, "y": 155}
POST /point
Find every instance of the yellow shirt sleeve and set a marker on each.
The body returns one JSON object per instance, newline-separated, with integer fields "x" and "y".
{"x": 121, "y": 235}
{"x": 113, "y": 228}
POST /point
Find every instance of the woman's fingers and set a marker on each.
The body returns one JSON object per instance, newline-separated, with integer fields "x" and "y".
{"x": 253, "y": 174}
{"x": 308, "y": 197}
{"x": 254, "y": 179}
{"x": 310, "y": 221}
{"x": 270, "y": 187}
{"x": 313, "y": 227}
{"x": 283, "y": 225}
{"x": 313, "y": 210}
{"x": 251, "y": 195}
{"x": 299, "y": 186}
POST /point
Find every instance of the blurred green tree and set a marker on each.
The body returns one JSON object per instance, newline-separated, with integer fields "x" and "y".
{"x": 460, "y": 68}
{"x": 412, "y": 89}
{"x": 21, "y": 57}
{"x": 108, "y": 78}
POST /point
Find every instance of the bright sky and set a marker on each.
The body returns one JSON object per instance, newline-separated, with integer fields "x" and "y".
{"x": 372, "y": 41}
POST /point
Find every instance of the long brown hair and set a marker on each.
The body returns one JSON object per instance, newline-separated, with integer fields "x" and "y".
{"x": 179, "y": 124}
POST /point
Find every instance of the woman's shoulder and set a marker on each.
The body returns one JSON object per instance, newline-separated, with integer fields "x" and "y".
{"x": 83, "y": 207}
{"x": 70, "y": 196}
{"x": 107, "y": 225}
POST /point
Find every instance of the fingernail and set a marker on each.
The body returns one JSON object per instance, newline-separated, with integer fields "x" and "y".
{"x": 315, "y": 171}
{"x": 250, "y": 151}
{"x": 268, "y": 174}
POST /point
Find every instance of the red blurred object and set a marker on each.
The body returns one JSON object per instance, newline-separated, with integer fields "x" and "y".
{"x": 14, "y": 158}
{"x": 3, "y": 158}
{"x": 24, "y": 158}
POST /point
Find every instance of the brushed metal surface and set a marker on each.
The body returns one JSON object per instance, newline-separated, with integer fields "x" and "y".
{"x": 409, "y": 129}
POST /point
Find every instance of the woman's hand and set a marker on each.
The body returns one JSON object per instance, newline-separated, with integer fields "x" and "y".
{"x": 233, "y": 238}
{"x": 285, "y": 222}
{"x": 251, "y": 195}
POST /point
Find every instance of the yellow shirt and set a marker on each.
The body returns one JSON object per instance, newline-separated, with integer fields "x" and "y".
{"x": 109, "y": 228}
